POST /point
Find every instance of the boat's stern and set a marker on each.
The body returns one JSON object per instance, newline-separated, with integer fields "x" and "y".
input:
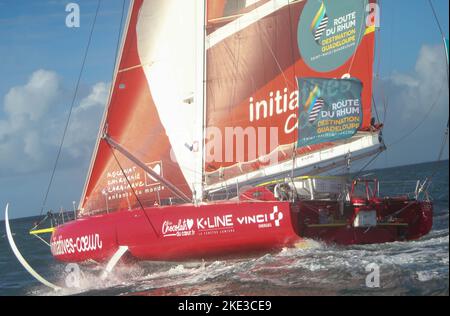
{"x": 324, "y": 222}
{"x": 419, "y": 219}
{"x": 331, "y": 210}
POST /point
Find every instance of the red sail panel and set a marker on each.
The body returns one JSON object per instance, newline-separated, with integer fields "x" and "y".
{"x": 221, "y": 12}
{"x": 133, "y": 120}
{"x": 216, "y": 9}
{"x": 253, "y": 63}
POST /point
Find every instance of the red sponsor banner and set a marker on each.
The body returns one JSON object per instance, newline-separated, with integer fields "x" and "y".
{"x": 254, "y": 60}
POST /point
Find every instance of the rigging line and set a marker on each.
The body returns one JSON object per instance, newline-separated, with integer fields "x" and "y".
{"x": 423, "y": 119}
{"x": 362, "y": 34}
{"x": 441, "y": 153}
{"x": 391, "y": 52}
{"x": 378, "y": 44}
{"x": 444, "y": 142}
{"x": 43, "y": 240}
{"x": 293, "y": 40}
{"x": 125, "y": 51}
{"x": 384, "y": 97}
{"x": 175, "y": 163}
{"x": 39, "y": 223}
{"x": 204, "y": 96}
{"x": 291, "y": 3}
{"x": 376, "y": 109}
{"x": 66, "y": 127}
{"x": 120, "y": 29}
{"x": 237, "y": 76}
{"x": 288, "y": 84}
{"x": 378, "y": 66}
{"x": 120, "y": 33}
{"x": 368, "y": 164}
{"x": 96, "y": 146}
{"x": 132, "y": 189}
{"x": 445, "y": 138}
{"x": 441, "y": 30}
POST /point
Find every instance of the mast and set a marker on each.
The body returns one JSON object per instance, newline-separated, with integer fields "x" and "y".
{"x": 199, "y": 99}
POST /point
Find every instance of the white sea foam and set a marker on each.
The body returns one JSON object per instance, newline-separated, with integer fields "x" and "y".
{"x": 425, "y": 276}
{"x": 317, "y": 264}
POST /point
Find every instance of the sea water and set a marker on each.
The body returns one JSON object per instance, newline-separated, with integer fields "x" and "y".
{"x": 405, "y": 268}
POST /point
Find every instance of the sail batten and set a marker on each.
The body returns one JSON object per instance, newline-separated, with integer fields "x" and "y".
{"x": 244, "y": 20}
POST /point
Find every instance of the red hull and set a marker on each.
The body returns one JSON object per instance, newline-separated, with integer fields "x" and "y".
{"x": 185, "y": 232}
{"x": 178, "y": 232}
{"x": 414, "y": 219}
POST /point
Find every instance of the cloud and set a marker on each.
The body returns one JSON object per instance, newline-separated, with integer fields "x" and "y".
{"x": 415, "y": 93}
{"x": 34, "y": 115}
{"x": 417, "y": 108}
{"x": 400, "y": 79}
{"x": 85, "y": 123}
{"x": 31, "y": 101}
{"x": 33, "y": 122}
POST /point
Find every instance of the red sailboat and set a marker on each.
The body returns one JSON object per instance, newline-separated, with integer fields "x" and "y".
{"x": 222, "y": 118}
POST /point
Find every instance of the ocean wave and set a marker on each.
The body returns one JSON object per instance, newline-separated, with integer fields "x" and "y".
{"x": 327, "y": 269}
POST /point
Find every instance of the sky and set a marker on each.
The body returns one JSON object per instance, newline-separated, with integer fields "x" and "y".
{"x": 40, "y": 59}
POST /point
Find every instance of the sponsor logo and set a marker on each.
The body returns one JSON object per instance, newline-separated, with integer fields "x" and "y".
{"x": 329, "y": 32}
{"x": 119, "y": 182}
{"x": 214, "y": 225}
{"x": 263, "y": 220}
{"x": 158, "y": 169}
{"x": 82, "y": 244}
{"x": 181, "y": 228}
{"x": 215, "y": 222}
{"x": 314, "y": 104}
{"x": 276, "y": 216}
{"x": 319, "y": 23}
{"x": 277, "y": 103}
{"x": 331, "y": 109}
{"x": 221, "y": 224}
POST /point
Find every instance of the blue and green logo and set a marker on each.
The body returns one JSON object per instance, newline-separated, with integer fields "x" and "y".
{"x": 330, "y": 31}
